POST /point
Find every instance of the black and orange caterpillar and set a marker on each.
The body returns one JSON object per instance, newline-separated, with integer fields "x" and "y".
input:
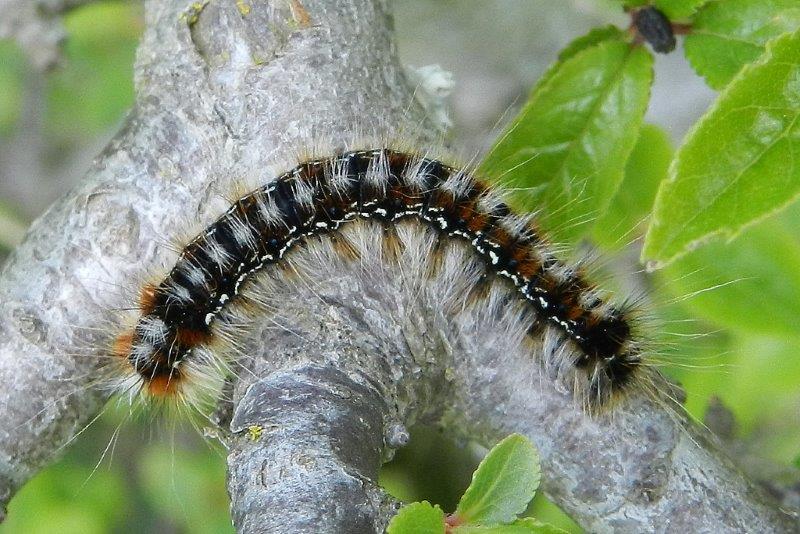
{"x": 320, "y": 197}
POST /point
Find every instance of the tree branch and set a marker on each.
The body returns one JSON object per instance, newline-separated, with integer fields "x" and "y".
{"x": 644, "y": 468}
{"x": 36, "y": 26}
{"x": 315, "y": 467}
{"x": 222, "y": 90}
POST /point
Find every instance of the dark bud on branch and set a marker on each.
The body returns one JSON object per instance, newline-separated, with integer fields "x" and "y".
{"x": 653, "y": 26}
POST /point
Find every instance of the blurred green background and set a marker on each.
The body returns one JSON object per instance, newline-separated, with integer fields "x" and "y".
{"x": 139, "y": 477}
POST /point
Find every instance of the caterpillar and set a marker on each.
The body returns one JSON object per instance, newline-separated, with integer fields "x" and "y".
{"x": 582, "y": 338}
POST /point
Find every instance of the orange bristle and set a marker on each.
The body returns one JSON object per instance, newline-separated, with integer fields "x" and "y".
{"x": 191, "y": 338}
{"x": 147, "y": 298}
{"x": 163, "y": 386}
{"x": 122, "y": 345}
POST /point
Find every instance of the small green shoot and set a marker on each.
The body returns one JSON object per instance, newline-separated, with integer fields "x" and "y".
{"x": 502, "y": 486}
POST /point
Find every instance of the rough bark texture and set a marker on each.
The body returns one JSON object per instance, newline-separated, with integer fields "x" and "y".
{"x": 36, "y": 26}
{"x": 223, "y": 89}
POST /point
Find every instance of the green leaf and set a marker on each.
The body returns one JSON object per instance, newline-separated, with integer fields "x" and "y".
{"x": 417, "y": 518}
{"x": 547, "y": 512}
{"x": 673, "y": 9}
{"x": 594, "y": 37}
{"x": 679, "y": 9}
{"x": 627, "y": 4}
{"x": 760, "y": 276}
{"x": 646, "y": 168}
{"x": 568, "y": 147}
{"x": 527, "y": 525}
{"x": 738, "y": 164}
{"x": 503, "y": 484}
{"x": 728, "y": 34}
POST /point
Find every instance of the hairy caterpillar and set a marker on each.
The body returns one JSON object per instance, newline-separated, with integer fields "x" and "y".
{"x": 184, "y": 320}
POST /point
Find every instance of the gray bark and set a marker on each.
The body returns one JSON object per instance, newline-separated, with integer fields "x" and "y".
{"x": 36, "y": 26}
{"x": 222, "y": 91}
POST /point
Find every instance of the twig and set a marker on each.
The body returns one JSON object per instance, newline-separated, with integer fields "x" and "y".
{"x": 36, "y": 26}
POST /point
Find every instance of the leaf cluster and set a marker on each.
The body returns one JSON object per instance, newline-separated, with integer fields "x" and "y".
{"x": 581, "y": 154}
{"x": 717, "y": 217}
{"x": 502, "y": 486}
